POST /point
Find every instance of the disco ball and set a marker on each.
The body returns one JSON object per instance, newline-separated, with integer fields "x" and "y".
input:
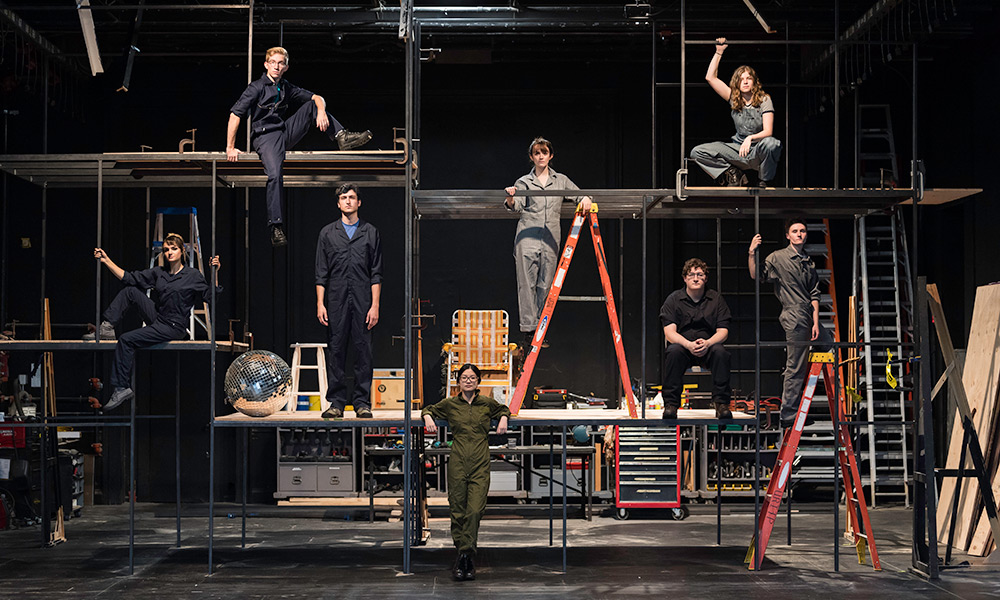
{"x": 257, "y": 383}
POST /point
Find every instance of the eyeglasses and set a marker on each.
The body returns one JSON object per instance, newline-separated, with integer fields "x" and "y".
{"x": 276, "y": 63}
{"x": 696, "y": 276}
{"x": 472, "y": 378}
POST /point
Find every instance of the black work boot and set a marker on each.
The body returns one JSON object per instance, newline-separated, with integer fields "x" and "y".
{"x": 722, "y": 411}
{"x": 470, "y": 568}
{"x": 278, "y": 237}
{"x": 670, "y": 411}
{"x": 458, "y": 571}
{"x": 348, "y": 140}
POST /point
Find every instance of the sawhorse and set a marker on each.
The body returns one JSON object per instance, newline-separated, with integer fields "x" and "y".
{"x": 819, "y": 363}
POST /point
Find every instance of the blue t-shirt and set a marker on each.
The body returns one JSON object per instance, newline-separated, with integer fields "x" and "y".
{"x": 350, "y": 229}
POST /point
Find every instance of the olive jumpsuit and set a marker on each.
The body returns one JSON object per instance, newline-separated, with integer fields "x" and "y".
{"x": 469, "y": 461}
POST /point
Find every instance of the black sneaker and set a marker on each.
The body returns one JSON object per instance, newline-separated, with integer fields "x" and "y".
{"x": 763, "y": 184}
{"x": 363, "y": 412}
{"x": 670, "y": 411}
{"x": 278, "y": 237}
{"x": 333, "y": 413}
{"x": 347, "y": 140}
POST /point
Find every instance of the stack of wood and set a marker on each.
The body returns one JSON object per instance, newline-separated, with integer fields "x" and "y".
{"x": 980, "y": 379}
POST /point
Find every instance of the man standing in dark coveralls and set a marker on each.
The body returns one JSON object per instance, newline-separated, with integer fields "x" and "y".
{"x": 796, "y": 284}
{"x": 272, "y": 131}
{"x": 695, "y": 324}
{"x": 348, "y": 287}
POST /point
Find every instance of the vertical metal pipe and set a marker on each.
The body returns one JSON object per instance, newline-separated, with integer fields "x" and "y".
{"x": 857, "y": 137}
{"x": 621, "y": 293}
{"x": 756, "y": 383}
{"x": 788, "y": 105}
{"x": 44, "y": 260}
{"x": 148, "y": 243}
{"x": 131, "y": 481}
{"x": 552, "y": 480}
{"x": 836, "y": 94}
{"x": 652, "y": 108}
{"x": 249, "y": 57}
{"x": 177, "y": 442}
{"x": 246, "y": 191}
{"x": 43, "y": 472}
{"x": 683, "y": 111}
{"x": 243, "y": 495}
{"x": 100, "y": 231}
{"x": 3, "y": 231}
{"x": 838, "y": 447}
{"x": 565, "y": 470}
{"x": 411, "y": 56}
{"x": 642, "y": 331}
{"x": 913, "y": 144}
{"x": 718, "y": 254}
{"x": 926, "y": 423}
{"x": 45, "y": 106}
{"x": 211, "y": 423}
{"x": 718, "y": 483}
{"x": 246, "y": 262}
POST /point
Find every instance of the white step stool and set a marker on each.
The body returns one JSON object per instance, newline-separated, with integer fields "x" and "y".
{"x": 297, "y": 367}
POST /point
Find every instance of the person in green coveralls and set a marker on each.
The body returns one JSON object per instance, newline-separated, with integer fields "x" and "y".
{"x": 468, "y": 415}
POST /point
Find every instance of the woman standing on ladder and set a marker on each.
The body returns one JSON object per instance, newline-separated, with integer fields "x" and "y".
{"x": 177, "y": 289}
{"x": 468, "y": 415}
{"x": 537, "y": 241}
{"x": 753, "y": 146}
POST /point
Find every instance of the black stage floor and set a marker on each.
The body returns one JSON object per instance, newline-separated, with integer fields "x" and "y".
{"x": 320, "y": 553}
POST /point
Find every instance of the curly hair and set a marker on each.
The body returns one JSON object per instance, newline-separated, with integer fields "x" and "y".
{"x": 757, "y": 93}
{"x": 692, "y": 264}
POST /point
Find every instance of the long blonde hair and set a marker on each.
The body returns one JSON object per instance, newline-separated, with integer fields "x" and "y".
{"x": 735, "y": 98}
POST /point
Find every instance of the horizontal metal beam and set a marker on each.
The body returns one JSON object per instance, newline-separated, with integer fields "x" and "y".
{"x": 108, "y": 346}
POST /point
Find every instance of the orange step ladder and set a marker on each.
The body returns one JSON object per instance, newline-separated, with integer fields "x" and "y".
{"x": 553, "y": 297}
{"x": 819, "y": 363}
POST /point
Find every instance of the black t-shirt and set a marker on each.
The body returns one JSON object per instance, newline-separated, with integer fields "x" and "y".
{"x": 695, "y": 319}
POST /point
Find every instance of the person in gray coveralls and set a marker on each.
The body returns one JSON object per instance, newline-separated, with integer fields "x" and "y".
{"x": 537, "y": 241}
{"x": 796, "y": 284}
{"x": 753, "y": 146}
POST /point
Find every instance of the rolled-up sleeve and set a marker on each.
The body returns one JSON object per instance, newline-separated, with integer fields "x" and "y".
{"x": 814, "y": 294}
{"x": 569, "y": 185}
{"x": 519, "y": 201}
{"x": 242, "y": 107}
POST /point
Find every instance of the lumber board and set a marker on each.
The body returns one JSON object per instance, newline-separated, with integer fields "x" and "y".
{"x": 980, "y": 377}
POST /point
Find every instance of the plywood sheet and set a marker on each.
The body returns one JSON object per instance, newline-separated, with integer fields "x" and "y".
{"x": 980, "y": 376}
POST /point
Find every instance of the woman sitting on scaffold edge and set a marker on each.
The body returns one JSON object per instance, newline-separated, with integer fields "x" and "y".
{"x": 753, "y": 146}
{"x": 177, "y": 288}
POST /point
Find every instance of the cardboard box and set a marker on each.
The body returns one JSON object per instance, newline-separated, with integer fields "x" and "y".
{"x": 388, "y": 388}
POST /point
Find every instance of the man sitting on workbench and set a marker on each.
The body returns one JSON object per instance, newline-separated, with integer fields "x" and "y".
{"x": 695, "y": 324}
